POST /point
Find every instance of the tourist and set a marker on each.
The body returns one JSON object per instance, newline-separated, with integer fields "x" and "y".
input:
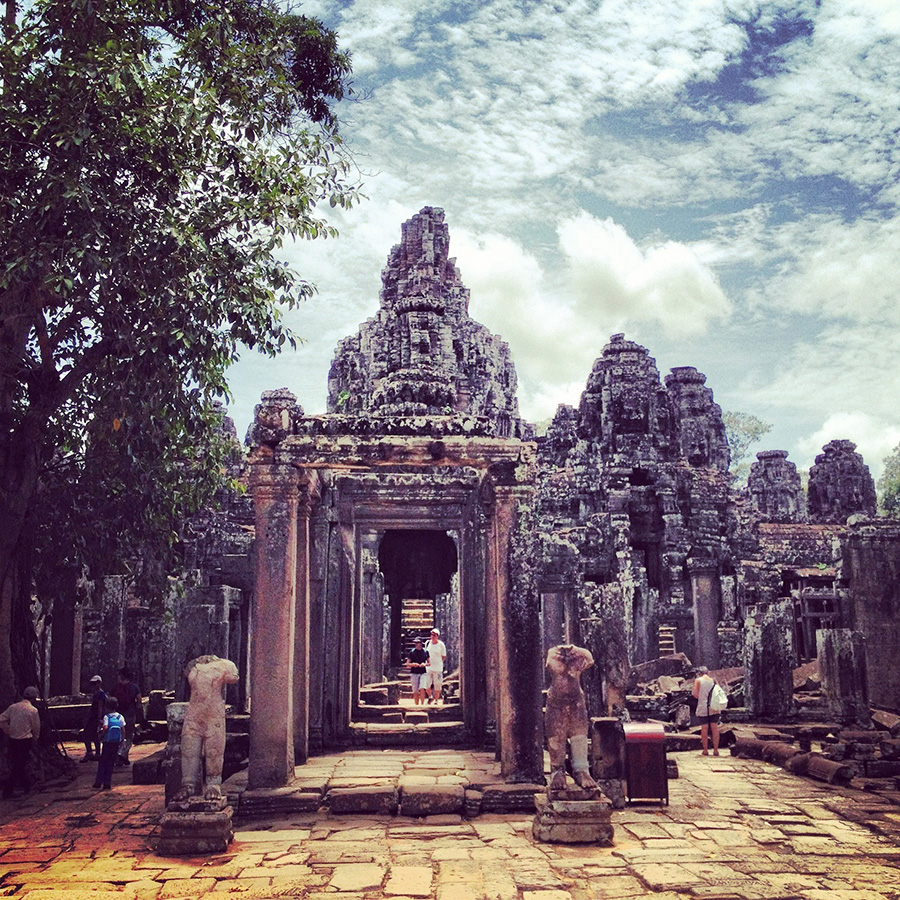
{"x": 434, "y": 671}
{"x": 112, "y": 732}
{"x": 22, "y": 723}
{"x": 416, "y": 662}
{"x": 709, "y": 720}
{"x": 94, "y": 720}
{"x": 128, "y": 697}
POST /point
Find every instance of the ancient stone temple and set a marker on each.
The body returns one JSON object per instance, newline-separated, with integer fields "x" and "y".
{"x": 414, "y": 489}
{"x": 421, "y": 500}
{"x": 634, "y": 517}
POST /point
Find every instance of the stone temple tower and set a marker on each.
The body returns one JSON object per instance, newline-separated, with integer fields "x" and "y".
{"x": 422, "y": 354}
{"x": 840, "y": 484}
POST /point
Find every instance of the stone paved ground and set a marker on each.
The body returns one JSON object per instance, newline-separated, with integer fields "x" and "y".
{"x": 734, "y": 828}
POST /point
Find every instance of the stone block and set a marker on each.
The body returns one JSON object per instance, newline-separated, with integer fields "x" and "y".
{"x": 194, "y": 833}
{"x": 509, "y": 797}
{"x": 885, "y": 720}
{"x": 890, "y": 749}
{"x": 572, "y": 821}
{"x": 278, "y": 801}
{"x": 828, "y": 770}
{"x": 882, "y": 768}
{"x": 472, "y": 806}
{"x": 429, "y": 800}
{"x": 374, "y": 799}
{"x": 149, "y": 769}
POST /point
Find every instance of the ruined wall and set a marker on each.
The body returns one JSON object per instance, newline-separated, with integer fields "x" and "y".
{"x": 870, "y": 570}
{"x": 636, "y": 480}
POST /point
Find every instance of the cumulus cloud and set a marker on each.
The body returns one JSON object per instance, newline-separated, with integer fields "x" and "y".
{"x": 664, "y": 283}
{"x": 874, "y": 438}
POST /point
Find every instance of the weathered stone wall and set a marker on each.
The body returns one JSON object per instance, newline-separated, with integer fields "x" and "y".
{"x": 870, "y": 570}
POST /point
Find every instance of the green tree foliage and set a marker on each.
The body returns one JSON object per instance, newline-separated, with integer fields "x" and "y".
{"x": 742, "y": 430}
{"x": 889, "y": 485}
{"x": 154, "y": 154}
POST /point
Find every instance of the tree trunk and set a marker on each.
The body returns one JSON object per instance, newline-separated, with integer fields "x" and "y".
{"x": 18, "y": 482}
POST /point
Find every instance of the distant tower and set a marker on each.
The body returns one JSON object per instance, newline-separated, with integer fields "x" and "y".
{"x": 422, "y": 354}
{"x": 702, "y": 437}
{"x": 840, "y": 485}
{"x": 775, "y": 488}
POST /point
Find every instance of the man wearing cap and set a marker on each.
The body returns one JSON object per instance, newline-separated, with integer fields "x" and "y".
{"x": 416, "y": 662}
{"x": 94, "y": 720}
{"x": 434, "y": 671}
{"x": 22, "y": 722}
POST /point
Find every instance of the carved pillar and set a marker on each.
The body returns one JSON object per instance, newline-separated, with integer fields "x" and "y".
{"x": 307, "y": 498}
{"x": 519, "y": 662}
{"x": 275, "y": 502}
{"x": 706, "y": 592}
{"x": 769, "y": 660}
{"x": 842, "y": 662}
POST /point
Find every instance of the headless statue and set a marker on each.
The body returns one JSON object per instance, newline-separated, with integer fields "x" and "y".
{"x": 566, "y": 718}
{"x": 203, "y": 734}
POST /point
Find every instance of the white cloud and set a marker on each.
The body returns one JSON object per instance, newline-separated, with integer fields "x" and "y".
{"x": 665, "y": 283}
{"x": 874, "y": 438}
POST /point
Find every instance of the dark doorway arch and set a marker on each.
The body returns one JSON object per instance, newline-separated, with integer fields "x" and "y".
{"x": 415, "y": 564}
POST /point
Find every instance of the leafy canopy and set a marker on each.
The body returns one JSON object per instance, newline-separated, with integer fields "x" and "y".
{"x": 889, "y": 485}
{"x": 154, "y": 155}
{"x": 742, "y": 430}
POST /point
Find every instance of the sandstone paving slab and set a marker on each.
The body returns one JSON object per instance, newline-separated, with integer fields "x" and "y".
{"x": 442, "y": 854}
{"x": 532, "y": 875}
{"x": 284, "y": 873}
{"x": 664, "y": 876}
{"x": 843, "y": 895}
{"x": 357, "y": 877}
{"x": 430, "y": 832}
{"x": 326, "y": 852}
{"x": 485, "y": 853}
{"x": 71, "y": 894}
{"x": 242, "y": 886}
{"x": 187, "y": 887}
{"x": 409, "y": 881}
{"x": 617, "y": 886}
{"x": 461, "y": 892}
{"x": 546, "y": 895}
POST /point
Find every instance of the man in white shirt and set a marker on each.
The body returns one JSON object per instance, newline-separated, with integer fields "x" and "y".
{"x": 22, "y": 722}
{"x": 434, "y": 671}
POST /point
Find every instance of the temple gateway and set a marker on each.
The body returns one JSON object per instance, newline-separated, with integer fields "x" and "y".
{"x": 422, "y": 499}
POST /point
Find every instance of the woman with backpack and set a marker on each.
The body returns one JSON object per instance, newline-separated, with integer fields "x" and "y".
{"x": 112, "y": 732}
{"x": 706, "y": 714}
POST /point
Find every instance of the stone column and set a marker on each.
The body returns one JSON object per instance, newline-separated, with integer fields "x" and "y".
{"x": 307, "y": 498}
{"x": 842, "y": 664}
{"x": 769, "y": 660}
{"x": 275, "y": 502}
{"x": 519, "y": 660}
{"x": 706, "y": 592}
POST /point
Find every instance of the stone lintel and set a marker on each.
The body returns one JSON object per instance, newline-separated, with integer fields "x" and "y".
{"x": 354, "y": 452}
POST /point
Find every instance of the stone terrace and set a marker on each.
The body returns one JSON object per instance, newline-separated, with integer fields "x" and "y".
{"x": 734, "y": 830}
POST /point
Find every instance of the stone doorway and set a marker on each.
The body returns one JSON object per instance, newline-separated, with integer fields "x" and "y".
{"x": 412, "y": 586}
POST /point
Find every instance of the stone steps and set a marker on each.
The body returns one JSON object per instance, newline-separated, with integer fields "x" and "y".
{"x": 401, "y": 734}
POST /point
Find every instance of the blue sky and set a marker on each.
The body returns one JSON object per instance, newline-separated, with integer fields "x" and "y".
{"x": 719, "y": 180}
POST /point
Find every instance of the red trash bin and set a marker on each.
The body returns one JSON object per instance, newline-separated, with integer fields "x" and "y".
{"x": 645, "y": 762}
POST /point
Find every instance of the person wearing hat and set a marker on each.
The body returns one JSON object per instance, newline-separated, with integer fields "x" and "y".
{"x": 416, "y": 661}
{"x": 434, "y": 671}
{"x": 22, "y": 722}
{"x": 94, "y": 720}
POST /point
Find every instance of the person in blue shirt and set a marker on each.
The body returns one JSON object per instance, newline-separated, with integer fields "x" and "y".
{"x": 112, "y": 732}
